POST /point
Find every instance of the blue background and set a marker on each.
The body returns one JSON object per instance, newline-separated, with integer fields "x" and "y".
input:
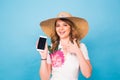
{"x": 19, "y": 31}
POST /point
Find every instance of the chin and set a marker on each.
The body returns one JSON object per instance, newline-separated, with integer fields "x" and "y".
{"x": 62, "y": 37}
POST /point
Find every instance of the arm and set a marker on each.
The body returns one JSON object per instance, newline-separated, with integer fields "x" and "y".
{"x": 45, "y": 68}
{"x": 84, "y": 64}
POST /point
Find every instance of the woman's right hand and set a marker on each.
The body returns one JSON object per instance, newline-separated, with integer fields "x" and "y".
{"x": 44, "y": 52}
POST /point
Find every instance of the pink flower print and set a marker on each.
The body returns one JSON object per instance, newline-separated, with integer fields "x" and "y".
{"x": 57, "y": 58}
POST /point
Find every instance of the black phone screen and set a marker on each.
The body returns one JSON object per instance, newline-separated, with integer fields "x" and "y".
{"x": 41, "y": 43}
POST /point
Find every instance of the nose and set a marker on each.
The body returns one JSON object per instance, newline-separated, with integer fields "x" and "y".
{"x": 61, "y": 27}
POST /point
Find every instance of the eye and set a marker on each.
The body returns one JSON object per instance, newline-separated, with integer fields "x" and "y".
{"x": 57, "y": 25}
{"x": 65, "y": 25}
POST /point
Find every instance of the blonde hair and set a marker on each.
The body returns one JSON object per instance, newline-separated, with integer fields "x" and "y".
{"x": 74, "y": 34}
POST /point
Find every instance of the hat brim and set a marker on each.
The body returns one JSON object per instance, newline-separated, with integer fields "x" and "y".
{"x": 81, "y": 24}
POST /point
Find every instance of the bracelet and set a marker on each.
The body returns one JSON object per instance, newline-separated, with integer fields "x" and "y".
{"x": 44, "y": 59}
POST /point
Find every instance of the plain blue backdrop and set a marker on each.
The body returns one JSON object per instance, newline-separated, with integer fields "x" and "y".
{"x": 19, "y": 31}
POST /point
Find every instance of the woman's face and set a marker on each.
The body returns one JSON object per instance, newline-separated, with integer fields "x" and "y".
{"x": 62, "y": 29}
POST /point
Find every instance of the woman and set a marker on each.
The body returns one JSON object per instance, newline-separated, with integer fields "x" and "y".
{"x": 67, "y": 56}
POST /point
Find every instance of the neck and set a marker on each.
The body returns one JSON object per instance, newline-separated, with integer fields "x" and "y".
{"x": 64, "y": 41}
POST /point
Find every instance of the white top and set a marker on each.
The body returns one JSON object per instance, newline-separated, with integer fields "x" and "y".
{"x": 67, "y": 68}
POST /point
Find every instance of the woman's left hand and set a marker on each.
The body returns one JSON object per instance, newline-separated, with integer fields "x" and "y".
{"x": 73, "y": 47}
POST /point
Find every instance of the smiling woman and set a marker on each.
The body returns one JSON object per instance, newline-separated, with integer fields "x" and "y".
{"x": 65, "y": 32}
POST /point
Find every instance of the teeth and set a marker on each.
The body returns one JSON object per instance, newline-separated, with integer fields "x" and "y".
{"x": 62, "y": 32}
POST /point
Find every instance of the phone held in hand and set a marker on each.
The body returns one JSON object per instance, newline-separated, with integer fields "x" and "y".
{"x": 41, "y": 43}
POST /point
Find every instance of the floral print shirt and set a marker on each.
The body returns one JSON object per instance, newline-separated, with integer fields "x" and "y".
{"x": 65, "y": 67}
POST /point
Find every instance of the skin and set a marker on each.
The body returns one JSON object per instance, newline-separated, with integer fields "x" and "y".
{"x": 63, "y": 30}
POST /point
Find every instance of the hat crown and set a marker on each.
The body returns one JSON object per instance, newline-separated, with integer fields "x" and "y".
{"x": 63, "y": 14}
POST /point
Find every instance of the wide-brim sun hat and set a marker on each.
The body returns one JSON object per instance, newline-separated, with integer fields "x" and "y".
{"x": 82, "y": 25}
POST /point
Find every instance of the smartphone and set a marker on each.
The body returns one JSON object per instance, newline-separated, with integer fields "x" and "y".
{"x": 41, "y": 43}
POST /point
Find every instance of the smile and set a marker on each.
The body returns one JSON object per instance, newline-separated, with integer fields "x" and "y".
{"x": 62, "y": 32}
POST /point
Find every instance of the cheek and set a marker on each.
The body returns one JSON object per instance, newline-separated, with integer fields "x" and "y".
{"x": 68, "y": 30}
{"x": 56, "y": 30}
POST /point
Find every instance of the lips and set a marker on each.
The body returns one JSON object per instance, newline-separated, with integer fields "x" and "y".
{"x": 61, "y": 33}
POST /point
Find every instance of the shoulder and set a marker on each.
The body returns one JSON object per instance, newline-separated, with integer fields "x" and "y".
{"x": 82, "y": 45}
{"x": 84, "y": 50}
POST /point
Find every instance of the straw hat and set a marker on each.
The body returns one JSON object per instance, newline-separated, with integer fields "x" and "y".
{"x": 81, "y": 24}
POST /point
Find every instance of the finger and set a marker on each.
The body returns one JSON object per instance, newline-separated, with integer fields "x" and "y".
{"x": 46, "y": 46}
{"x": 74, "y": 41}
{"x": 41, "y": 52}
{"x": 70, "y": 44}
{"x": 36, "y": 43}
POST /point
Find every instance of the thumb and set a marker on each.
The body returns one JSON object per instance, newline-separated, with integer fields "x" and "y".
{"x": 46, "y": 46}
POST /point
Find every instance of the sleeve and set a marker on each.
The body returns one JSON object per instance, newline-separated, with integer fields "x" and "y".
{"x": 48, "y": 59}
{"x": 84, "y": 51}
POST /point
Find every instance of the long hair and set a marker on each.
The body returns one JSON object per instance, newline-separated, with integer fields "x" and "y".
{"x": 74, "y": 34}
